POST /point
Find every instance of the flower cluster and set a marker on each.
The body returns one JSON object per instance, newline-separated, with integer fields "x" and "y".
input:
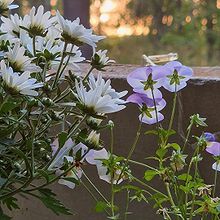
{"x": 146, "y": 82}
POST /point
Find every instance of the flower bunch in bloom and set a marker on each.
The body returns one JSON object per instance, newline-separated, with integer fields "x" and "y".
{"x": 146, "y": 82}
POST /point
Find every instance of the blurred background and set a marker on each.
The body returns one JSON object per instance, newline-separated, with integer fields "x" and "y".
{"x": 135, "y": 27}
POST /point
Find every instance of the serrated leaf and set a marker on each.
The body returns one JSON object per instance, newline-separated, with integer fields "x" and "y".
{"x": 11, "y": 203}
{"x": 49, "y": 200}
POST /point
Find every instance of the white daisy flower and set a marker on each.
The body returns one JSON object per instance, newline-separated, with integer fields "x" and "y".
{"x": 96, "y": 101}
{"x": 18, "y": 61}
{"x": 100, "y": 60}
{"x": 106, "y": 88}
{"x": 75, "y": 33}
{"x": 6, "y": 5}
{"x": 11, "y": 27}
{"x": 18, "y": 84}
{"x": 37, "y": 22}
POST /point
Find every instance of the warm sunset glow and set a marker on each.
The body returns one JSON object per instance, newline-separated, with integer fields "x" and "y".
{"x": 218, "y": 4}
{"x": 106, "y": 19}
{"x": 108, "y": 6}
{"x": 188, "y": 19}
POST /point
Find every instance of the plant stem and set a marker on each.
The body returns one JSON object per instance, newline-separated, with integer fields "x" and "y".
{"x": 131, "y": 151}
{"x": 169, "y": 194}
{"x": 189, "y": 129}
{"x": 142, "y": 164}
{"x": 60, "y": 66}
{"x": 73, "y": 130}
{"x": 34, "y": 45}
{"x": 173, "y": 112}
{"x": 127, "y": 205}
{"x": 112, "y": 173}
{"x": 155, "y": 108}
{"x": 149, "y": 187}
{"x": 87, "y": 75}
{"x": 96, "y": 189}
{"x": 215, "y": 182}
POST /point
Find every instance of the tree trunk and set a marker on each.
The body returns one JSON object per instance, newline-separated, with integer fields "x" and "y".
{"x": 81, "y": 9}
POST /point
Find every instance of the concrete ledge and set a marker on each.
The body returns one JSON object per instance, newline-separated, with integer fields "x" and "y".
{"x": 120, "y": 71}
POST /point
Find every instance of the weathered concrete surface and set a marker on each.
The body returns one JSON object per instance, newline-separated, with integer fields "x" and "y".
{"x": 201, "y": 96}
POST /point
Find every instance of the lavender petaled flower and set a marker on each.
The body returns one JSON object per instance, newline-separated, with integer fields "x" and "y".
{"x": 209, "y": 137}
{"x": 144, "y": 79}
{"x": 213, "y": 148}
{"x": 180, "y": 75}
{"x": 148, "y": 116}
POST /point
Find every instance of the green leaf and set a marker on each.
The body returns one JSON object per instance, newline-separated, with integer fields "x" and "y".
{"x": 149, "y": 174}
{"x": 9, "y": 105}
{"x": 62, "y": 137}
{"x": 101, "y": 206}
{"x": 185, "y": 177}
{"x": 175, "y": 146}
{"x": 49, "y": 200}
{"x": 11, "y": 203}
{"x": 161, "y": 152}
{"x": 154, "y": 132}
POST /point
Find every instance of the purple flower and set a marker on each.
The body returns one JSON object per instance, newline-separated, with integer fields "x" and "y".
{"x": 213, "y": 148}
{"x": 149, "y": 115}
{"x": 209, "y": 137}
{"x": 144, "y": 79}
{"x": 178, "y": 78}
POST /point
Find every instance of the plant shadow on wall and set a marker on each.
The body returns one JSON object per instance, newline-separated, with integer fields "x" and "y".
{"x": 42, "y": 91}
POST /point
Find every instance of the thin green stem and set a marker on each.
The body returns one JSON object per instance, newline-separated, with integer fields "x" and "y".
{"x": 173, "y": 112}
{"x": 189, "y": 129}
{"x": 149, "y": 187}
{"x": 155, "y": 108}
{"x": 95, "y": 188}
{"x": 215, "y": 182}
{"x": 169, "y": 194}
{"x": 112, "y": 173}
{"x": 73, "y": 130}
{"x": 60, "y": 66}
{"x": 87, "y": 75}
{"x": 132, "y": 149}
{"x": 34, "y": 45}
{"x": 127, "y": 205}
{"x": 142, "y": 164}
